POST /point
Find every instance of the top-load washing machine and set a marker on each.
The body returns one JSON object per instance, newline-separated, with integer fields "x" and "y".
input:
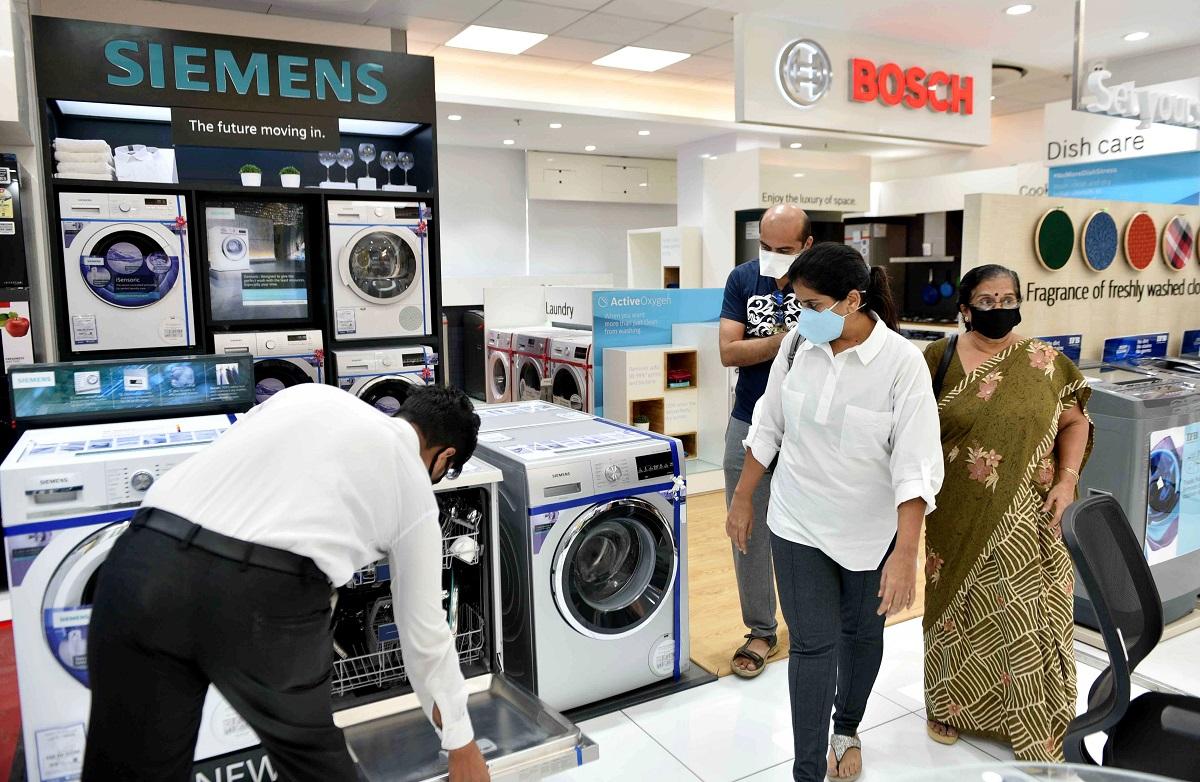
{"x": 281, "y": 358}
{"x": 384, "y": 377}
{"x": 127, "y": 272}
{"x": 571, "y": 371}
{"x": 498, "y": 375}
{"x": 531, "y": 361}
{"x": 493, "y": 419}
{"x": 380, "y": 275}
{"x": 593, "y": 536}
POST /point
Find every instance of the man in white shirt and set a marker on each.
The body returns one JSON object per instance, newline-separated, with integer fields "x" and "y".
{"x": 226, "y": 574}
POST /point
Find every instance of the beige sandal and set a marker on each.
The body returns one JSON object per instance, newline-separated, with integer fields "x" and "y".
{"x": 759, "y": 660}
{"x": 949, "y": 741}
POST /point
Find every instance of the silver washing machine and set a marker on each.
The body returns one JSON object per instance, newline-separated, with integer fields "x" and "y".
{"x": 498, "y": 356}
{"x": 531, "y": 362}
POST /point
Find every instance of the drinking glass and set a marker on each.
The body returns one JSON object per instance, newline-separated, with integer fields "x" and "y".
{"x": 388, "y": 160}
{"x": 406, "y": 163}
{"x": 345, "y": 159}
{"x": 327, "y": 158}
{"x": 366, "y": 153}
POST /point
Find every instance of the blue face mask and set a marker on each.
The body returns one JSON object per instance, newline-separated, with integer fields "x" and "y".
{"x": 821, "y": 327}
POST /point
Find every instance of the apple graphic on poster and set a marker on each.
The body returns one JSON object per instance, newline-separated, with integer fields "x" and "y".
{"x": 15, "y": 324}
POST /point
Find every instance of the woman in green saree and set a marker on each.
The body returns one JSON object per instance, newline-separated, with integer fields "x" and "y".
{"x": 998, "y": 621}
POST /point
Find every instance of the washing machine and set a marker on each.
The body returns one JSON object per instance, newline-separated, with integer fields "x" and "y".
{"x": 228, "y": 248}
{"x": 594, "y": 558}
{"x": 67, "y": 495}
{"x": 531, "y": 361}
{"x": 384, "y": 377}
{"x": 281, "y": 358}
{"x": 127, "y": 273}
{"x": 499, "y": 361}
{"x": 494, "y": 419}
{"x": 571, "y": 371}
{"x": 380, "y": 269}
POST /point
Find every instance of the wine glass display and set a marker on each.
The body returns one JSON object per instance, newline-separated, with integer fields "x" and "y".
{"x": 345, "y": 159}
{"x": 366, "y": 153}
{"x": 387, "y": 159}
{"x": 327, "y": 158}
{"x": 406, "y": 163}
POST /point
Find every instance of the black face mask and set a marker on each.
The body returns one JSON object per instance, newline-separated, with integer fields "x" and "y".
{"x": 995, "y": 324}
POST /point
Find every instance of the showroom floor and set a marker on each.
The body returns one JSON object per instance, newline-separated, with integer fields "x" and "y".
{"x": 741, "y": 730}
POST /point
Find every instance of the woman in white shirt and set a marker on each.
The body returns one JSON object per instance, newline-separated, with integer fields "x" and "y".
{"x": 849, "y": 413}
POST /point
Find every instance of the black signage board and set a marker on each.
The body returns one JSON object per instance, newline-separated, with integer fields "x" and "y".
{"x": 110, "y": 63}
{"x": 247, "y": 130}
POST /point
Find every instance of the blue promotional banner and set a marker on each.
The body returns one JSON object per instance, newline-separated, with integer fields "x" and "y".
{"x": 1120, "y": 349}
{"x": 1070, "y": 345}
{"x": 1191, "y": 343}
{"x": 1158, "y": 179}
{"x": 622, "y": 319}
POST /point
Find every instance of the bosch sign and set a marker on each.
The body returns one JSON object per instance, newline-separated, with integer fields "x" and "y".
{"x": 940, "y": 92}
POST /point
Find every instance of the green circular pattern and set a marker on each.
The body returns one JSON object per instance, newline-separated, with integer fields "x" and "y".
{"x": 1054, "y": 239}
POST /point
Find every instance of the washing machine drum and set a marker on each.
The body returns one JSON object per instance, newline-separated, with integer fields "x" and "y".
{"x": 272, "y": 375}
{"x": 129, "y": 268}
{"x": 615, "y": 570}
{"x": 529, "y": 381}
{"x": 566, "y": 386}
{"x": 387, "y": 394}
{"x": 381, "y": 266}
{"x": 498, "y": 375}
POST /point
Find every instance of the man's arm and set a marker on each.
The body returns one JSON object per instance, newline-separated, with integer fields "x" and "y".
{"x": 738, "y": 350}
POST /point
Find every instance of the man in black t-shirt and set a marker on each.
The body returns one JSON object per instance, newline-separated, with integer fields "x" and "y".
{"x": 758, "y": 310}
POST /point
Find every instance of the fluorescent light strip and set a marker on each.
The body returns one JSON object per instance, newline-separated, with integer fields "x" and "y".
{"x": 81, "y": 108}
{"x": 495, "y": 39}
{"x": 375, "y": 127}
{"x": 636, "y": 58}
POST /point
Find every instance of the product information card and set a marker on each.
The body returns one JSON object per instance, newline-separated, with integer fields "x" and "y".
{"x": 1070, "y": 345}
{"x": 1191, "y": 343}
{"x": 1120, "y": 349}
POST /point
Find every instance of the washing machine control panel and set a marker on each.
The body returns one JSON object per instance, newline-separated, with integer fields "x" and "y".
{"x": 141, "y": 480}
{"x": 129, "y": 482}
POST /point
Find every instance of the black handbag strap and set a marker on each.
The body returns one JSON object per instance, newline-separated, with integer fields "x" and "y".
{"x": 940, "y": 377}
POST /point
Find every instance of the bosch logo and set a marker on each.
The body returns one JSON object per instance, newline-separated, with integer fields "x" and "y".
{"x": 805, "y": 72}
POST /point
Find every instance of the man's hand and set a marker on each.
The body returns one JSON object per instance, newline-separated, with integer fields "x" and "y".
{"x": 467, "y": 765}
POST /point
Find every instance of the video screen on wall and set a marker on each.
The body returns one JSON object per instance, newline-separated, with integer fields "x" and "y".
{"x": 257, "y": 260}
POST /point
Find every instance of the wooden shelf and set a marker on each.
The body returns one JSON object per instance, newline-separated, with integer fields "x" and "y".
{"x": 654, "y": 409}
{"x": 689, "y": 444}
{"x": 115, "y": 186}
{"x": 677, "y": 360}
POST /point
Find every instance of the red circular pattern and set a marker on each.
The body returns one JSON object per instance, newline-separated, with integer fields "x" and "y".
{"x": 1141, "y": 241}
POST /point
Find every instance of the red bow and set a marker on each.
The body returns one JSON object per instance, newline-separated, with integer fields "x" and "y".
{"x": 181, "y": 222}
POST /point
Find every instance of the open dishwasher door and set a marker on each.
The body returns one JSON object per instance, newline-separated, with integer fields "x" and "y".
{"x": 521, "y": 738}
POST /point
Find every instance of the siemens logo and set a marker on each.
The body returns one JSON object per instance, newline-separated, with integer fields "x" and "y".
{"x": 198, "y": 69}
{"x": 33, "y": 380}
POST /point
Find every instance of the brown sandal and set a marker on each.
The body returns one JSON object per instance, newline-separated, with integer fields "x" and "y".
{"x": 759, "y": 660}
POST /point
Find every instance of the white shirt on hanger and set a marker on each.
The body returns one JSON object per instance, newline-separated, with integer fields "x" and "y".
{"x": 140, "y": 163}
{"x": 320, "y": 473}
{"x": 857, "y": 434}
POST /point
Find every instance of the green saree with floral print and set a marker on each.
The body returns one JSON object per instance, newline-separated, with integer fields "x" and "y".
{"x": 998, "y": 622}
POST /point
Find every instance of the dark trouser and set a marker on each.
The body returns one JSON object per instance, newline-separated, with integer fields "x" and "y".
{"x": 755, "y": 579}
{"x": 170, "y": 618}
{"x": 837, "y": 642}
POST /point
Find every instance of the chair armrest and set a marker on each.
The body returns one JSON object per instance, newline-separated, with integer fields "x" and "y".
{"x": 1183, "y": 720}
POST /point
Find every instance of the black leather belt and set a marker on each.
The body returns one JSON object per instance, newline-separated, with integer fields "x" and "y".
{"x": 223, "y": 546}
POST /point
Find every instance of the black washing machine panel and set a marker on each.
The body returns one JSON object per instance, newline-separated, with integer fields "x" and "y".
{"x": 272, "y": 375}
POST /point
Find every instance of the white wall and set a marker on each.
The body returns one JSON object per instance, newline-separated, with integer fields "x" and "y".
{"x": 570, "y": 237}
{"x": 482, "y": 211}
{"x": 1016, "y": 138}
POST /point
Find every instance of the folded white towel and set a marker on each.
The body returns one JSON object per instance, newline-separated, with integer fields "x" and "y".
{"x": 98, "y": 177}
{"x": 86, "y": 168}
{"x": 83, "y": 157}
{"x": 82, "y": 145}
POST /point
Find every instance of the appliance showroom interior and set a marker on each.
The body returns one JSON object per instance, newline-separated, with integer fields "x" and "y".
{"x": 582, "y": 215}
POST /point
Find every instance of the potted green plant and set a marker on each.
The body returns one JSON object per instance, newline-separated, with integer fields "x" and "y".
{"x": 642, "y": 422}
{"x": 289, "y": 176}
{"x": 251, "y": 175}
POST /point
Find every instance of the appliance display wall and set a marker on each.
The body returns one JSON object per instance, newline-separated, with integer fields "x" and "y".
{"x": 383, "y": 378}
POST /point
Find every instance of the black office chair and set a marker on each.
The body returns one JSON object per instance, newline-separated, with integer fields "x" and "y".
{"x": 1157, "y": 733}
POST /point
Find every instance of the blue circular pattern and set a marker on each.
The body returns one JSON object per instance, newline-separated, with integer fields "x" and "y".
{"x": 1100, "y": 239}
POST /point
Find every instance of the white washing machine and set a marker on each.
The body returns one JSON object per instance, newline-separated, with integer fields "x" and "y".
{"x": 380, "y": 275}
{"x": 67, "y": 495}
{"x": 571, "y": 371}
{"x": 384, "y": 377}
{"x": 228, "y": 248}
{"x": 518, "y": 415}
{"x": 128, "y": 278}
{"x": 498, "y": 372}
{"x": 281, "y": 358}
{"x": 593, "y": 559}
{"x": 531, "y": 361}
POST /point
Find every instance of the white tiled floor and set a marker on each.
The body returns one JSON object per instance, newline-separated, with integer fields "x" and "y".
{"x": 741, "y": 730}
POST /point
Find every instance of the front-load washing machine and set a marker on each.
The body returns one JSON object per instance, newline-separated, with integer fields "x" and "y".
{"x": 493, "y": 419}
{"x": 380, "y": 275}
{"x": 281, "y": 358}
{"x": 594, "y": 558}
{"x": 67, "y": 495}
{"x": 228, "y": 248}
{"x": 498, "y": 373}
{"x": 571, "y": 371}
{"x": 126, "y": 268}
{"x": 531, "y": 361}
{"x": 384, "y": 377}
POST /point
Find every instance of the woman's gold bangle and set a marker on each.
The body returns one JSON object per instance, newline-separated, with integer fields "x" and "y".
{"x": 1072, "y": 471}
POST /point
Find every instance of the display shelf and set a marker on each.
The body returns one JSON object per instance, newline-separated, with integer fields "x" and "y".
{"x": 681, "y": 411}
{"x": 714, "y": 381}
{"x": 654, "y": 409}
{"x": 670, "y": 276}
{"x": 664, "y": 257}
{"x": 688, "y": 441}
{"x": 683, "y": 360}
{"x": 234, "y": 188}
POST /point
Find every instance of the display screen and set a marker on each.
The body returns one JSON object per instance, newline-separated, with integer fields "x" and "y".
{"x": 257, "y": 260}
{"x": 1173, "y": 494}
{"x": 108, "y": 390}
{"x": 653, "y": 465}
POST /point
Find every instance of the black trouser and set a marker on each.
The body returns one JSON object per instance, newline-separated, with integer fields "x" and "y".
{"x": 168, "y": 619}
{"x": 837, "y": 646}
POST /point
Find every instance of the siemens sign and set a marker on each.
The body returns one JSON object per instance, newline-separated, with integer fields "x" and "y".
{"x": 199, "y": 69}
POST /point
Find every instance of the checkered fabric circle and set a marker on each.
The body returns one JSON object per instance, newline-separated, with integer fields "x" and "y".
{"x": 1178, "y": 241}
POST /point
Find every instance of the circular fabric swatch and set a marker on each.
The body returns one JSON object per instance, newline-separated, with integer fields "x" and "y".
{"x": 1141, "y": 241}
{"x": 1100, "y": 241}
{"x": 1177, "y": 243}
{"x": 1054, "y": 239}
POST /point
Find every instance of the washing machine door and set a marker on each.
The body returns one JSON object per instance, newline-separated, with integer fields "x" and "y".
{"x": 387, "y": 394}
{"x": 566, "y": 387}
{"x": 131, "y": 265}
{"x": 529, "y": 380}
{"x": 67, "y": 603}
{"x": 381, "y": 264}
{"x": 498, "y": 371}
{"x": 614, "y": 569}
{"x": 272, "y": 375}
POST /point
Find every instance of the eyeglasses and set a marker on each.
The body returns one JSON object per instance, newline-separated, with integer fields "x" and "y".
{"x": 986, "y": 303}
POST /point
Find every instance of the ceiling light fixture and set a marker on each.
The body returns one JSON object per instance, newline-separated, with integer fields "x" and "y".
{"x": 555, "y": 125}
{"x": 637, "y": 58}
{"x": 643, "y": 133}
{"x": 1138, "y": 36}
{"x": 590, "y": 148}
{"x": 992, "y": 98}
{"x": 495, "y": 39}
{"x": 509, "y": 142}
{"x": 1020, "y": 9}
{"x": 454, "y": 117}
{"x": 797, "y": 175}
{"x": 795, "y": 145}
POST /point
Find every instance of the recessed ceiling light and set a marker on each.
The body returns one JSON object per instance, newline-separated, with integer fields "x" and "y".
{"x": 495, "y": 39}
{"x": 1020, "y": 9}
{"x": 797, "y": 175}
{"x": 555, "y": 125}
{"x": 637, "y": 58}
{"x": 509, "y": 142}
{"x": 1138, "y": 36}
{"x": 641, "y": 184}
{"x": 795, "y": 145}
{"x": 454, "y": 117}
{"x": 643, "y": 133}
{"x": 992, "y": 98}
{"x": 590, "y": 148}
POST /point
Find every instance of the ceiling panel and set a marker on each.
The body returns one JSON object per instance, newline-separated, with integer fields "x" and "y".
{"x": 342, "y": 6}
{"x": 610, "y": 29}
{"x": 435, "y": 30}
{"x": 328, "y": 14}
{"x": 573, "y": 49}
{"x": 703, "y": 67}
{"x": 711, "y": 19}
{"x": 530, "y": 17}
{"x": 666, "y": 11}
{"x": 723, "y": 52}
{"x": 254, "y": 6}
{"x": 582, "y": 5}
{"x": 394, "y": 13}
{"x": 683, "y": 39}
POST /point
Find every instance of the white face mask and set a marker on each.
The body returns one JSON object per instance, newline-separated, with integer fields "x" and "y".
{"x": 774, "y": 265}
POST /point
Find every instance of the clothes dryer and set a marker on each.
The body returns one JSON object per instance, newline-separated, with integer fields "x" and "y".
{"x": 531, "y": 362}
{"x": 571, "y": 371}
{"x": 383, "y": 378}
{"x": 281, "y": 358}
{"x": 381, "y": 269}
{"x": 498, "y": 372}
{"x": 127, "y": 271}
